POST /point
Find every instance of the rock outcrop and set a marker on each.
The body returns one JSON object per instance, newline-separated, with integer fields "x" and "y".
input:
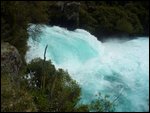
{"x": 66, "y": 14}
{"x": 10, "y": 59}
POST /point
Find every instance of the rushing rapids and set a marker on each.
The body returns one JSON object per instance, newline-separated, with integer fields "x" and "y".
{"x": 115, "y": 67}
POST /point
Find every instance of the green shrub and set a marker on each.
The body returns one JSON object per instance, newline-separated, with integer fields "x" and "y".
{"x": 60, "y": 92}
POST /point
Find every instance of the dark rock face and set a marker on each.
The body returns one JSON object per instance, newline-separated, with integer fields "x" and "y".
{"x": 10, "y": 59}
{"x": 71, "y": 14}
{"x": 66, "y": 14}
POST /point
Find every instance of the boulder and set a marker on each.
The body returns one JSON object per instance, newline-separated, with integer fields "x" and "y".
{"x": 10, "y": 59}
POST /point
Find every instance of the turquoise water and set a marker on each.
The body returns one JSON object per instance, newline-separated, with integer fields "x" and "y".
{"x": 115, "y": 67}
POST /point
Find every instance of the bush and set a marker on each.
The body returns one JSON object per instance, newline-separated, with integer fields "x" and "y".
{"x": 58, "y": 93}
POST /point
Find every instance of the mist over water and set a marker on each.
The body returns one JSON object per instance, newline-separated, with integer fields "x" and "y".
{"x": 115, "y": 67}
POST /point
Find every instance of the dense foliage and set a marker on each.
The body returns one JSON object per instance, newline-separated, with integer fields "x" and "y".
{"x": 14, "y": 95}
{"x": 115, "y": 18}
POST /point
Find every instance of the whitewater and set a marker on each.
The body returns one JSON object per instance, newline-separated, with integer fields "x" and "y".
{"x": 114, "y": 67}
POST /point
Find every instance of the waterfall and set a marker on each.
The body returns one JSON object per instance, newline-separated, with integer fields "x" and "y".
{"x": 115, "y": 67}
